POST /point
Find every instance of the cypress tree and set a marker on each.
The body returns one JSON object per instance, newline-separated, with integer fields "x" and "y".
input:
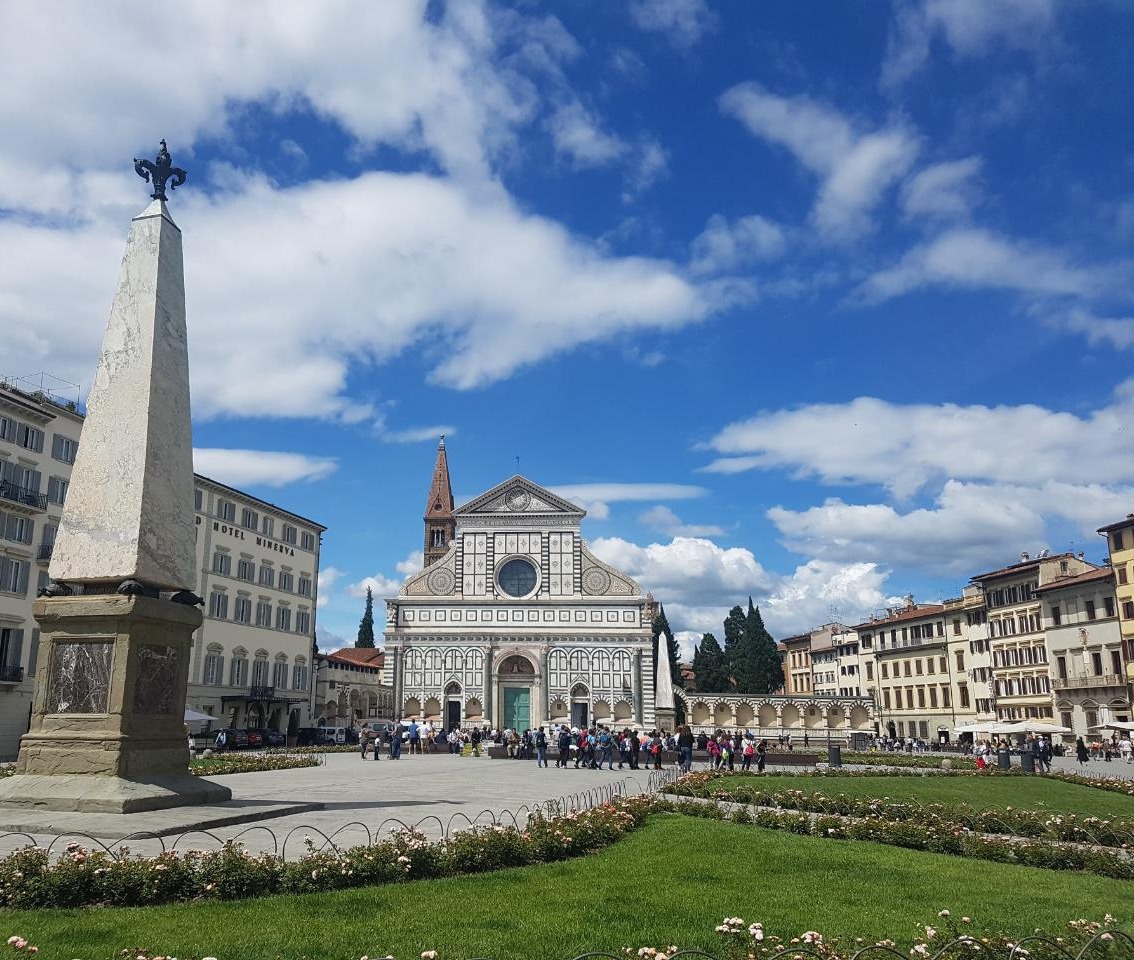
{"x": 768, "y": 672}
{"x": 709, "y": 666}
{"x": 735, "y": 651}
{"x": 366, "y": 625}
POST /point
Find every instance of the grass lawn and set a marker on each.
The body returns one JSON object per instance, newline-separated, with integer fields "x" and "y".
{"x": 1032, "y": 793}
{"x": 670, "y": 882}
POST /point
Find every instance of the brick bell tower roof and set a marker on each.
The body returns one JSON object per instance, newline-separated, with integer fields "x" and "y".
{"x": 440, "y": 503}
{"x": 440, "y": 527}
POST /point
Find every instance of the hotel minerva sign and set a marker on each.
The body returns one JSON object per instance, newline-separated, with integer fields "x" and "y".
{"x": 237, "y": 534}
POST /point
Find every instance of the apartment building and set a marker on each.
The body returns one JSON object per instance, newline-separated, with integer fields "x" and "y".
{"x": 907, "y": 643}
{"x": 349, "y": 688}
{"x": 259, "y": 568}
{"x": 966, "y": 624}
{"x": 39, "y": 435}
{"x": 1120, "y": 546}
{"x": 259, "y": 572}
{"x": 1022, "y": 688}
{"x": 849, "y": 663}
{"x": 1087, "y": 669}
{"x": 795, "y": 654}
{"x": 824, "y": 666}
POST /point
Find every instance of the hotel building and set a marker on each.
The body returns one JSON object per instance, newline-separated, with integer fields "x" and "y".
{"x": 259, "y": 568}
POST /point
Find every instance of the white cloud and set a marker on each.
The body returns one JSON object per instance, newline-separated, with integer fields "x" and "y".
{"x": 969, "y": 527}
{"x": 682, "y": 22}
{"x": 383, "y": 586}
{"x": 820, "y": 592}
{"x": 328, "y": 576}
{"x": 723, "y": 246}
{"x": 596, "y": 498}
{"x": 263, "y": 468}
{"x": 411, "y": 434}
{"x": 855, "y": 168}
{"x": 905, "y": 446}
{"x": 971, "y": 28}
{"x": 576, "y": 134}
{"x": 414, "y": 563}
{"x": 944, "y": 190}
{"x": 972, "y": 258}
{"x": 1118, "y": 332}
{"x": 355, "y": 268}
{"x": 698, "y": 582}
{"x": 664, "y": 520}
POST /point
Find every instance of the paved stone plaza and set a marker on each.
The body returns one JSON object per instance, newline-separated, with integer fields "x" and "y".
{"x": 345, "y": 789}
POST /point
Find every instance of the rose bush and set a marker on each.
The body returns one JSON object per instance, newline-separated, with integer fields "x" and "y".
{"x": 31, "y": 877}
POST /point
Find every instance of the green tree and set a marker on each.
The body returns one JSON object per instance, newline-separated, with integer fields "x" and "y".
{"x": 661, "y": 627}
{"x": 735, "y": 651}
{"x": 709, "y": 666}
{"x": 366, "y": 625}
{"x": 768, "y": 670}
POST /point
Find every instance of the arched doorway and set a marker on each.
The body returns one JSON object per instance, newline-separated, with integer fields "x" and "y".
{"x": 452, "y": 705}
{"x": 516, "y": 687}
{"x": 580, "y": 706}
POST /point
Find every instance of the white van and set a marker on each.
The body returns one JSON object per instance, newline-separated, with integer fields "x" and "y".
{"x": 340, "y": 735}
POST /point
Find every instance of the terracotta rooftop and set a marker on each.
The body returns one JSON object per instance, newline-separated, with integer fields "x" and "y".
{"x": 1129, "y": 521}
{"x": 1020, "y": 566}
{"x": 1103, "y": 573}
{"x": 905, "y": 615}
{"x": 359, "y": 656}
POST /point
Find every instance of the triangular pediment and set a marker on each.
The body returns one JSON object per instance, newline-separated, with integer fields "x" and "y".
{"x": 518, "y": 496}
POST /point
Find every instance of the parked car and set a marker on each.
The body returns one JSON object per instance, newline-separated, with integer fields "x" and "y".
{"x": 273, "y": 738}
{"x": 255, "y": 738}
{"x": 234, "y": 739}
{"x": 314, "y": 737}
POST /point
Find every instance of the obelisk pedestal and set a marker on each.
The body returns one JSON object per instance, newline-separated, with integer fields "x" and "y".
{"x": 107, "y": 730}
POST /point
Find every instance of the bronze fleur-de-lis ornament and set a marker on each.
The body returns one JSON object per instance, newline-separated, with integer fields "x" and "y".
{"x": 162, "y": 171}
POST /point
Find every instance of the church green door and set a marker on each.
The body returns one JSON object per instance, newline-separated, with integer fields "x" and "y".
{"x": 517, "y": 708}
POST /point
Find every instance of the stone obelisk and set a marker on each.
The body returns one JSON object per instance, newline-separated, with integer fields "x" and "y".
{"x": 665, "y": 711}
{"x": 107, "y": 729}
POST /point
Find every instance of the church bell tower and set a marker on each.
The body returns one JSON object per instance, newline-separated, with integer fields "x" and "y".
{"x": 440, "y": 527}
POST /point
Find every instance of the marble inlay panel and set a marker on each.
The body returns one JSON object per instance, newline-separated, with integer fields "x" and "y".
{"x": 80, "y": 677}
{"x": 155, "y": 679}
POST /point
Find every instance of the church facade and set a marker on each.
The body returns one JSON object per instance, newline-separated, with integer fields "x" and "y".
{"x": 515, "y": 623}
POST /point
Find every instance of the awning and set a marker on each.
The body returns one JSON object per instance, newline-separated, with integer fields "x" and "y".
{"x": 194, "y": 716}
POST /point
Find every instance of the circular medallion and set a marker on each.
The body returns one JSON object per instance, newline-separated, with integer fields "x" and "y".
{"x": 441, "y": 582}
{"x": 517, "y": 499}
{"x": 596, "y": 581}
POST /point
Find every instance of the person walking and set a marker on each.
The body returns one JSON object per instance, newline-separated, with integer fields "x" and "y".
{"x": 474, "y": 738}
{"x": 749, "y": 752}
{"x": 606, "y": 748}
{"x": 564, "y": 745}
{"x": 635, "y": 750}
{"x": 363, "y": 737}
{"x": 414, "y": 738}
{"x": 1081, "y": 752}
{"x": 221, "y": 741}
{"x": 396, "y": 741}
{"x": 761, "y": 755}
{"x": 685, "y": 746}
{"x": 540, "y": 740}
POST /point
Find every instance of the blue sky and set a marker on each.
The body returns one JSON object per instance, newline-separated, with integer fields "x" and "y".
{"x": 825, "y": 304}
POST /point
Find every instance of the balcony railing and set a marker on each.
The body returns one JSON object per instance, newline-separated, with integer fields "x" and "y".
{"x": 1086, "y": 681}
{"x": 44, "y": 551}
{"x": 10, "y": 673}
{"x": 23, "y": 495}
{"x": 263, "y": 693}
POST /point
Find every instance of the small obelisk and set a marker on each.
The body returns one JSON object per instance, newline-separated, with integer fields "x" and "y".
{"x": 665, "y": 712}
{"x": 107, "y": 729}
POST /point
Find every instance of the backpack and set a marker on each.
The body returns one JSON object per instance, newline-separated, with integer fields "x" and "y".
{"x": 749, "y": 750}
{"x": 540, "y": 740}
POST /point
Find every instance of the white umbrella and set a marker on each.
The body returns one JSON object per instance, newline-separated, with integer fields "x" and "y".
{"x": 1041, "y": 726}
{"x": 192, "y": 716}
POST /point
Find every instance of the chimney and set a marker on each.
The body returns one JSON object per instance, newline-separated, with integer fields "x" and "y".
{"x": 1023, "y": 556}
{"x": 909, "y": 601}
{"x": 1080, "y": 554}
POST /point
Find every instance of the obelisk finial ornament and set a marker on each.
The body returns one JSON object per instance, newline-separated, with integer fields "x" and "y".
{"x": 162, "y": 172}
